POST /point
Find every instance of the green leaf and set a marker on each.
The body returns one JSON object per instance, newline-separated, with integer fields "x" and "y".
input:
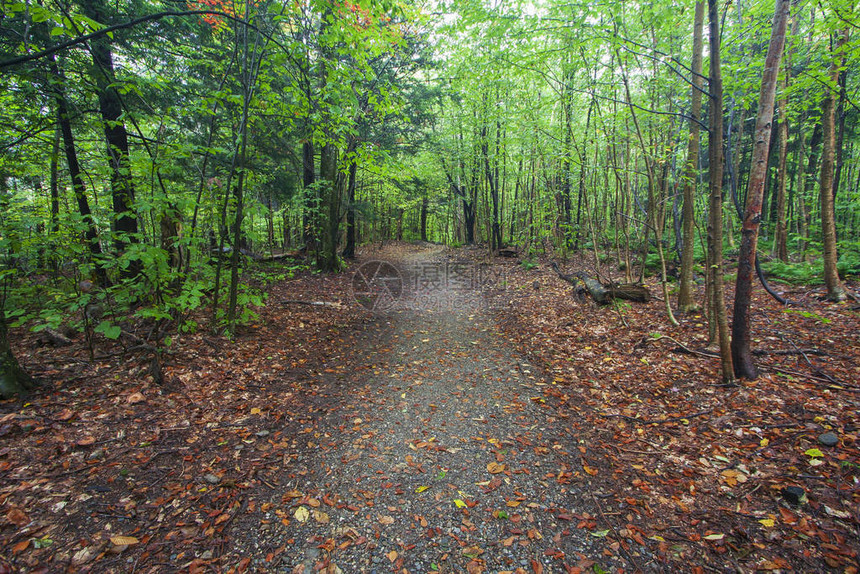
{"x": 814, "y": 453}
{"x": 108, "y": 330}
{"x": 599, "y": 533}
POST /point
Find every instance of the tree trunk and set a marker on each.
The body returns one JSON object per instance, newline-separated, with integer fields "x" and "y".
{"x": 310, "y": 207}
{"x": 835, "y": 290}
{"x": 715, "y": 224}
{"x": 91, "y": 234}
{"x": 331, "y": 192}
{"x": 741, "y": 354}
{"x": 780, "y": 238}
{"x": 349, "y": 248}
{"x": 116, "y": 137}
{"x": 686, "y": 302}
{"x": 423, "y": 218}
{"x": 604, "y": 294}
{"x": 55, "y": 181}
{"x": 14, "y": 381}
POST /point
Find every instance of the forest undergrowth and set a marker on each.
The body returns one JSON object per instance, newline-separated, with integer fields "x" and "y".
{"x": 103, "y": 470}
{"x": 758, "y": 476}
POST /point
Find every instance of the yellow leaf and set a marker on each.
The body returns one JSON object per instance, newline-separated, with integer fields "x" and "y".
{"x": 589, "y": 470}
{"x": 715, "y": 536}
{"x": 392, "y": 556}
{"x": 255, "y": 411}
{"x": 459, "y": 503}
{"x": 421, "y": 489}
{"x": 123, "y": 540}
{"x": 657, "y": 538}
{"x": 767, "y": 522}
{"x": 495, "y": 468}
{"x": 764, "y": 442}
{"x": 513, "y": 503}
{"x": 302, "y": 514}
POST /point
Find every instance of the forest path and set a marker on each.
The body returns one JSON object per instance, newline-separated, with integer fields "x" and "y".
{"x": 432, "y": 447}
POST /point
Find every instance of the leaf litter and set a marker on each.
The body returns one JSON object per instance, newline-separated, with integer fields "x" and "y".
{"x": 546, "y": 435}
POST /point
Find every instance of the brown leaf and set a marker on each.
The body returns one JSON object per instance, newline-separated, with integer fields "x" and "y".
{"x": 123, "y": 540}
{"x": 65, "y": 415}
{"x": 17, "y": 517}
{"x": 135, "y": 398}
{"x": 392, "y": 556}
{"x": 495, "y": 468}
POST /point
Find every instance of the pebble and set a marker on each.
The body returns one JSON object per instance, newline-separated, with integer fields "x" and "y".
{"x": 211, "y": 478}
{"x": 263, "y": 433}
{"x": 828, "y": 439}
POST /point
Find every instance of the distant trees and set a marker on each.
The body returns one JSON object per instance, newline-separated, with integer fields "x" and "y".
{"x": 154, "y": 148}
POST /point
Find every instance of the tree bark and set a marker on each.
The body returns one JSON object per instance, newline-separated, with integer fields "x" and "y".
{"x": 604, "y": 294}
{"x": 686, "y": 302}
{"x": 331, "y": 192}
{"x": 780, "y": 236}
{"x": 78, "y": 187}
{"x": 742, "y": 359}
{"x": 55, "y": 181}
{"x": 14, "y": 380}
{"x": 116, "y": 138}
{"x": 349, "y": 248}
{"x": 835, "y": 290}
{"x": 715, "y": 223}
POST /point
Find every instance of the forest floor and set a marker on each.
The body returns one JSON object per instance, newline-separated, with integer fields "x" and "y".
{"x": 443, "y": 412}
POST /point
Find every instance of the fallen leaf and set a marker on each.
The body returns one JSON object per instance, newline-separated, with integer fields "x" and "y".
{"x": 767, "y": 522}
{"x": 123, "y": 540}
{"x": 135, "y": 398}
{"x": 65, "y": 414}
{"x": 715, "y": 536}
{"x": 459, "y": 503}
{"x": 495, "y": 468}
{"x": 392, "y": 556}
{"x": 321, "y": 516}
{"x": 17, "y": 517}
{"x": 302, "y": 514}
{"x": 386, "y": 520}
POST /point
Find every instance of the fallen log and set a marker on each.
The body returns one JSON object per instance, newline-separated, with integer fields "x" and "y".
{"x": 604, "y": 294}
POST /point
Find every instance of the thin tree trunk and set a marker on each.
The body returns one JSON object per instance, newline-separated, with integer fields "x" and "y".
{"x": 78, "y": 187}
{"x": 780, "y": 239}
{"x": 55, "y": 181}
{"x": 349, "y": 248}
{"x": 715, "y": 224}
{"x": 835, "y": 290}
{"x": 741, "y": 353}
{"x": 686, "y": 302}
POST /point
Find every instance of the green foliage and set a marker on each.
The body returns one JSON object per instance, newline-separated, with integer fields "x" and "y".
{"x": 808, "y": 315}
{"x": 803, "y": 273}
